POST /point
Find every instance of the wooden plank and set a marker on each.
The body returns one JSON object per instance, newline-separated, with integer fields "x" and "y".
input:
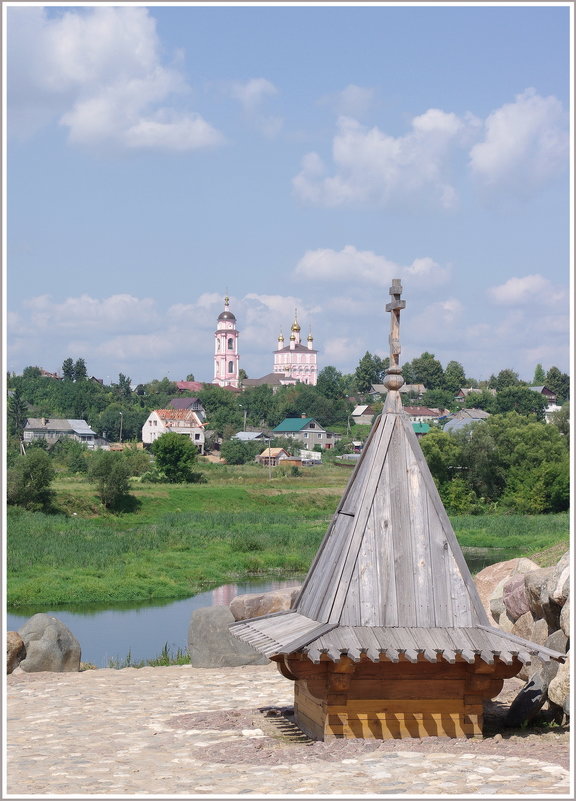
{"x": 540, "y": 650}
{"x": 404, "y": 706}
{"x": 472, "y": 593}
{"x": 342, "y": 577}
{"x": 317, "y": 601}
{"x": 368, "y": 639}
{"x": 401, "y": 530}
{"x": 352, "y": 494}
{"x": 421, "y": 552}
{"x": 398, "y": 730}
{"x": 387, "y": 613}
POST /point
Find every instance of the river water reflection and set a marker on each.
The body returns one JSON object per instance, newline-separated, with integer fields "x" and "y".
{"x": 109, "y": 633}
{"x": 106, "y": 633}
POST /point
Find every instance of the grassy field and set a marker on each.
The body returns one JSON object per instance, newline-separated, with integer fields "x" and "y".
{"x": 182, "y": 539}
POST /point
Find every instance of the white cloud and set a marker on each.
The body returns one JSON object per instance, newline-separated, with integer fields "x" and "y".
{"x": 525, "y": 143}
{"x": 99, "y": 71}
{"x": 251, "y": 95}
{"x": 364, "y": 266}
{"x": 530, "y": 288}
{"x": 115, "y": 313}
{"x": 352, "y": 101}
{"x": 371, "y": 165}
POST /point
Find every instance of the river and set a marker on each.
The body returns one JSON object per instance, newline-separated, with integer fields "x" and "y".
{"x": 143, "y": 629}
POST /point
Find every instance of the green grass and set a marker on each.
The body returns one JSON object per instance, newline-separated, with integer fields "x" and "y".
{"x": 183, "y": 539}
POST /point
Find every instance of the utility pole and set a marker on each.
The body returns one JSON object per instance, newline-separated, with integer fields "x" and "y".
{"x": 121, "y": 420}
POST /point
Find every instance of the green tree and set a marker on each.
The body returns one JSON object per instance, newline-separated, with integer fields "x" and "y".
{"x": 175, "y": 456}
{"x": 330, "y": 383}
{"x": 234, "y": 451}
{"x": 223, "y": 413}
{"x": 68, "y": 369}
{"x": 505, "y": 378}
{"x": 17, "y": 413}
{"x": 70, "y": 455}
{"x": 371, "y": 370}
{"x": 427, "y": 370}
{"x": 454, "y": 377}
{"x": 559, "y": 383}
{"x": 242, "y": 374}
{"x": 111, "y": 474}
{"x": 123, "y": 388}
{"x": 436, "y": 399}
{"x": 561, "y": 419}
{"x": 190, "y": 377}
{"x": 259, "y": 405}
{"x": 29, "y": 480}
{"x": 32, "y": 372}
{"x": 539, "y": 376}
{"x": 80, "y": 371}
{"x": 522, "y": 400}
{"x": 443, "y": 454}
{"x": 481, "y": 400}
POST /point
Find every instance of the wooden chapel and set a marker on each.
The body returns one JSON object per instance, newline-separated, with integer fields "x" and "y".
{"x": 388, "y": 637}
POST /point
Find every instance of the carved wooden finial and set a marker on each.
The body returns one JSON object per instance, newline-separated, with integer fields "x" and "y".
{"x": 393, "y": 378}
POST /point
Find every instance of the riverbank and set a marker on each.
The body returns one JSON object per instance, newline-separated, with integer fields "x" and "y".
{"x": 186, "y": 731}
{"x": 185, "y": 539}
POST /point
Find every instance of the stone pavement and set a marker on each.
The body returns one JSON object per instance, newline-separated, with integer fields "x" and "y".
{"x": 133, "y": 732}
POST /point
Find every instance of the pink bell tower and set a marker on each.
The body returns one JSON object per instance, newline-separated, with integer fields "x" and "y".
{"x": 226, "y": 356}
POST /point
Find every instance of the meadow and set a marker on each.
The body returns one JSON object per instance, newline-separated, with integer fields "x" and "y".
{"x": 178, "y": 540}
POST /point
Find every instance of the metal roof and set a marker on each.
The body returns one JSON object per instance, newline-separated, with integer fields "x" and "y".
{"x": 294, "y": 424}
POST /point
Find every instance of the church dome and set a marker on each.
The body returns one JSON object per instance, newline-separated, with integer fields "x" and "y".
{"x": 226, "y": 314}
{"x": 295, "y": 326}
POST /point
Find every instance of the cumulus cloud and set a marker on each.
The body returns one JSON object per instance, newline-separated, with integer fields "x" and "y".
{"x": 115, "y": 313}
{"x": 371, "y": 165}
{"x": 251, "y": 95}
{"x": 365, "y": 266}
{"x": 99, "y": 71}
{"x": 526, "y": 290}
{"x": 525, "y": 142}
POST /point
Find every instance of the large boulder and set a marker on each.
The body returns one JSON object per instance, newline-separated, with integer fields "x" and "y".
{"x": 565, "y": 618}
{"x": 491, "y": 580}
{"x": 559, "y": 585}
{"x": 211, "y": 645}
{"x": 249, "y": 605}
{"x": 515, "y": 598}
{"x": 541, "y": 605}
{"x": 15, "y": 650}
{"x": 527, "y": 703}
{"x": 50, "y": 645}
{"x": 559, "y": 687}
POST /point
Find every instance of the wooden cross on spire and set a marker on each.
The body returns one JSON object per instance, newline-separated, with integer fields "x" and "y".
{"x": 395, "y": 307}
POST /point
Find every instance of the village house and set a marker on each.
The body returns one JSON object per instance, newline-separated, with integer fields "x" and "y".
{"x": 53, "y": 429}
{"x": 463, "y": 392}
{"x": 189, "y": 404}
{"x": 464, "y": 417}
{"x": 363, "y": 415}
{"x": 422, "y": 414}
{"x": 178, "y": 421}
{"x": 307, "y": 431}
{"x": 271, "y": 457}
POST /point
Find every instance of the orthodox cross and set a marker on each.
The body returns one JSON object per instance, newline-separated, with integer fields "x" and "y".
{"x": 395, "y": 307}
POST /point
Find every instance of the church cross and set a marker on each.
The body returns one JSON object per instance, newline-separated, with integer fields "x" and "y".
{"x": 395, "y": 306}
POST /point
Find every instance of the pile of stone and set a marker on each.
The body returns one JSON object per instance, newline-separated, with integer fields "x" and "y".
{"x": 534, "y": 603}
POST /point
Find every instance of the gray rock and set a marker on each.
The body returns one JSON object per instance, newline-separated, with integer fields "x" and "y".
{"x": 489, "y": 580}
{"x": 249, "y": 605}
{"x": 527, "y": 703}
{"x": 515, "y": 598}
{"x": 559, "y": 583}
{"x": 559, "y": 687}
{"x": 15, "y": 650}
{"x": 541, "y": 605}
{"x": 50, "y": 646}
{"x": 211, "y": 644}
{"x": 565, "y": 618}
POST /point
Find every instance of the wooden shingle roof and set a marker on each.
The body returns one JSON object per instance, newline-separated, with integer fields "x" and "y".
{"x": 389, "y": 577}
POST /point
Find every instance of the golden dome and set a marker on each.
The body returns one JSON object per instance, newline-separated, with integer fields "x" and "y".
{"x": 295, "y": 324}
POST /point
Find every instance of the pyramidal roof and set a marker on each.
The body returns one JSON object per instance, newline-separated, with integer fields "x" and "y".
{"x": 390, "y": 576}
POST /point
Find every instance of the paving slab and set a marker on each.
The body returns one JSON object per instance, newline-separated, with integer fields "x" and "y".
{"x": 184, "y": 731}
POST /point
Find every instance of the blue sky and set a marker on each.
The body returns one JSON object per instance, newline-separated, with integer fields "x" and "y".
{"x": 292, "y": 157}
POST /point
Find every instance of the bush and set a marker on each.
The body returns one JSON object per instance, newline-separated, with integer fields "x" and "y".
{"x": 29, "y": 481}
{"x": 111, "y": 473}
{"x": 175, "y": 456}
